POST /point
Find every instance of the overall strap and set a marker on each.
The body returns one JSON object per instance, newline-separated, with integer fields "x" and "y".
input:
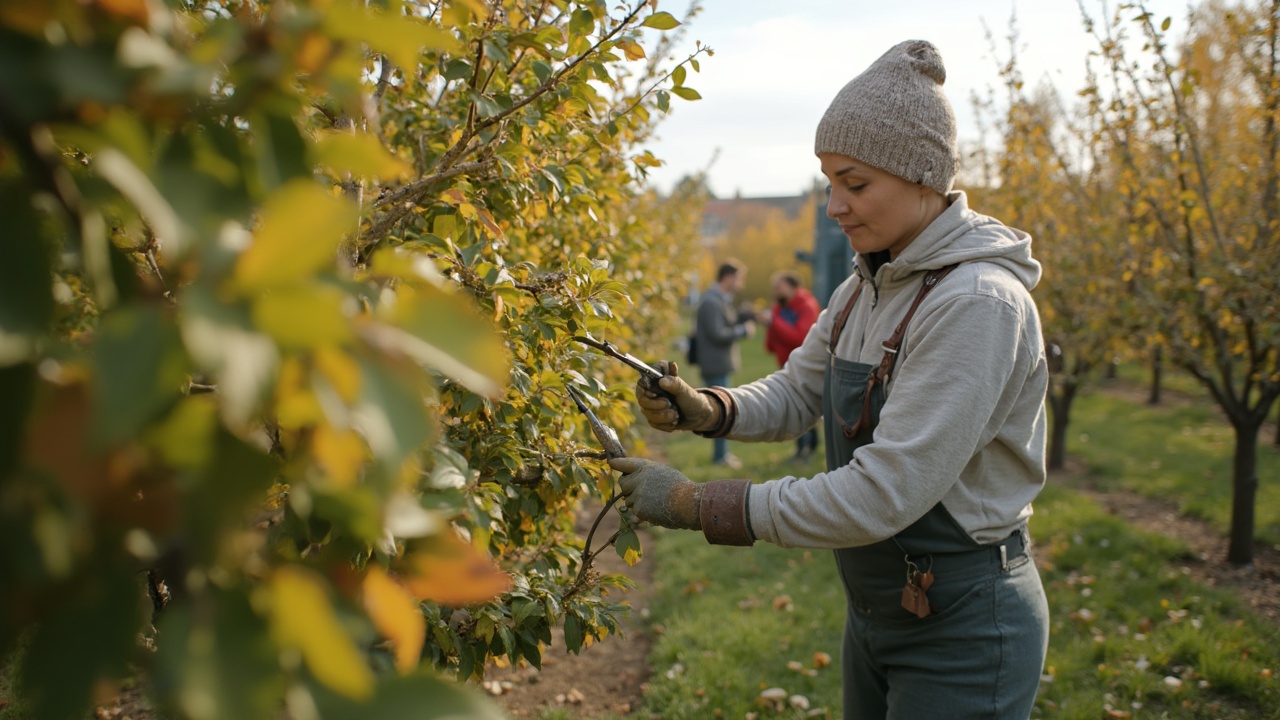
{"x": 880, "y": 376}
{"x": 843, "y": 318}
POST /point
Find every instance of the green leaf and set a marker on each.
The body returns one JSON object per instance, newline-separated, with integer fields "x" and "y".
{"x": 140, "y": 368}
{"x": 223, "y": 341}
{"x": 217, "y": 662}
{"x": 457, "y": 69}
{"x": 238, "y": 478}
{"x": 628, "y": 546}
{"x": 573, "y": 635}
{"x": 542, "y": 70}
{"x": 355, "y": 512}
{"x": 17, "y": 390}
{"x": 661, "y": 21}
{"x": 485, "y": 105}
{"x": 677, "y": 76}
{"x": 664, "y": 101}
{"x": 26, "y": 283}
{"x": 280, "y": 149}
{"x": 392, "y": 416}
{"x": 686, "y": 93}
{"x": 582, "y": 22}
{"x": 86, "y": 640}
{"x": 1164, "y": 26}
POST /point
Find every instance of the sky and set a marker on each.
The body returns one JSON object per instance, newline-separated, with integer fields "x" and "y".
{"x": 778, "y": 63}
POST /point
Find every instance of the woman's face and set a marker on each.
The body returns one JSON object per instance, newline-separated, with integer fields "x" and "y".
{"x": 877, "y": 210}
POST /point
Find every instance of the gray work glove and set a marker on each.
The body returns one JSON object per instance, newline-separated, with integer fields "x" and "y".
{"x": 659, "y": 494}
{"x": 699, "y": 412}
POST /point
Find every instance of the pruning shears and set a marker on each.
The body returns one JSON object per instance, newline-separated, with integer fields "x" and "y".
{"x": 612, "y": 449}
{"x": 649, "y": 375}
{"x": 606, "y": 435}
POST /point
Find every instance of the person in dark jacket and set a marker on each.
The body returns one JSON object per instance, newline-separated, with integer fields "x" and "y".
{"x": 717, "y": 332}
{"x": 794, "y": 313}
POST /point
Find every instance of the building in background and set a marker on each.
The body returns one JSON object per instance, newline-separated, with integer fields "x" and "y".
{"x": 778, "y": 233}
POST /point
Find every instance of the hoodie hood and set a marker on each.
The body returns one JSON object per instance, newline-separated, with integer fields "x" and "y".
{"x": 960, "y": 235}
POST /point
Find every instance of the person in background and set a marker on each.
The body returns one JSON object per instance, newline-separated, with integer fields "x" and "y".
{"x": 794, "y": 313}
{"x": 717, "y": 331}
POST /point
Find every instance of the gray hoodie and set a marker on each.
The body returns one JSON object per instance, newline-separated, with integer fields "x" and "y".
{"x": 964, "y": 421}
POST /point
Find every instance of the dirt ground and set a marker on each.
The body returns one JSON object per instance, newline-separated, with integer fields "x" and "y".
{"x": 607, "y": 677}
{"x": 1258, "y": 585}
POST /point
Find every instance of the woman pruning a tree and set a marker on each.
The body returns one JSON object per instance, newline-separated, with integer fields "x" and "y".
{"x": 929, "y": 374}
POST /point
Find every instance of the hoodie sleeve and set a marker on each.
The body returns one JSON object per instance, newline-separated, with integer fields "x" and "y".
{"x": 959, "y": 377}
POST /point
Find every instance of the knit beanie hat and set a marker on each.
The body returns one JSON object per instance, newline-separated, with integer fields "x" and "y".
{"x": 895, "y": 117}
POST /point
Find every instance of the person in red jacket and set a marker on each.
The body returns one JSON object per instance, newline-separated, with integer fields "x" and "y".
{"x": 789, "y": 322}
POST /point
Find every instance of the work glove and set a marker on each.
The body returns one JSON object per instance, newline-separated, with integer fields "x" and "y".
{"x": 659, "y": 494}
{"x": 698, "y": 411}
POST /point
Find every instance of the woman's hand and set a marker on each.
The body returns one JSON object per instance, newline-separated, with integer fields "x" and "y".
{"x": 698, "y": 411}
{"x": 659, "y": 494}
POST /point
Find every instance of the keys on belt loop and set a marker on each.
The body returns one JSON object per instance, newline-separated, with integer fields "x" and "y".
{"x": 914, "y": 593}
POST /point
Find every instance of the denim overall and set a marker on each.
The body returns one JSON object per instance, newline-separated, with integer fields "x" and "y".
{"x": 980, "y": 652}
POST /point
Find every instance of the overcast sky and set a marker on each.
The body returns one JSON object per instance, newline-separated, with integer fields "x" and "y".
{"x": 778, "y": 63}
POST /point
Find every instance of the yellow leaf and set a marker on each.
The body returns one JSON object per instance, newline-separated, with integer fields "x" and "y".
{"x": 452, "y": 572}
{"x": 303, "y": 317}
{"x": 313, "y": 52}
{"x": 631, "y": 557}
{"x": 342, "y": 372}
{"x": 404, "y": 264}
{"x": 302, "y": 618}
{"x": 396, "y": 615}
{"x": 401, "y": 37}
{"x": 296, "y": 405}
{"x": 341, "y": 453}
{"x": 489, "y": 224}
{"x": 299, "y": 233}
{"x": 360, "y": 154}
{"x": 298, "y": 410}
{"x": 631, "y": 49}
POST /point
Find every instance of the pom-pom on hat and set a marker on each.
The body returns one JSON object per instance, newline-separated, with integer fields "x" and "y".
{"x": 894, "y": 116}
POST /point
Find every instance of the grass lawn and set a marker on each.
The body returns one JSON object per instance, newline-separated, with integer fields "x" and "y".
{"x": 1179, "y": 450}
{"x": 1132, "y": 634}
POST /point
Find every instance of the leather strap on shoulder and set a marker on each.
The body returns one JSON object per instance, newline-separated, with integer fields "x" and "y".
{"x": 838, "y": 328}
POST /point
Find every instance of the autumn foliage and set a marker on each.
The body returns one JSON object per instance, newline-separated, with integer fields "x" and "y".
{"x": 284, "y": 321}
{"x": 1155, "y": 202}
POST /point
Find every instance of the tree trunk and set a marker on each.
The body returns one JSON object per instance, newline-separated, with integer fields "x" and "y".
{"x": 1060, "y": 405}
{"x": 1276, "y": 441}
{"x": 1157, "y": 375}
{"x": 1112, "y": 366}
{"x": 1244, "y": 491}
